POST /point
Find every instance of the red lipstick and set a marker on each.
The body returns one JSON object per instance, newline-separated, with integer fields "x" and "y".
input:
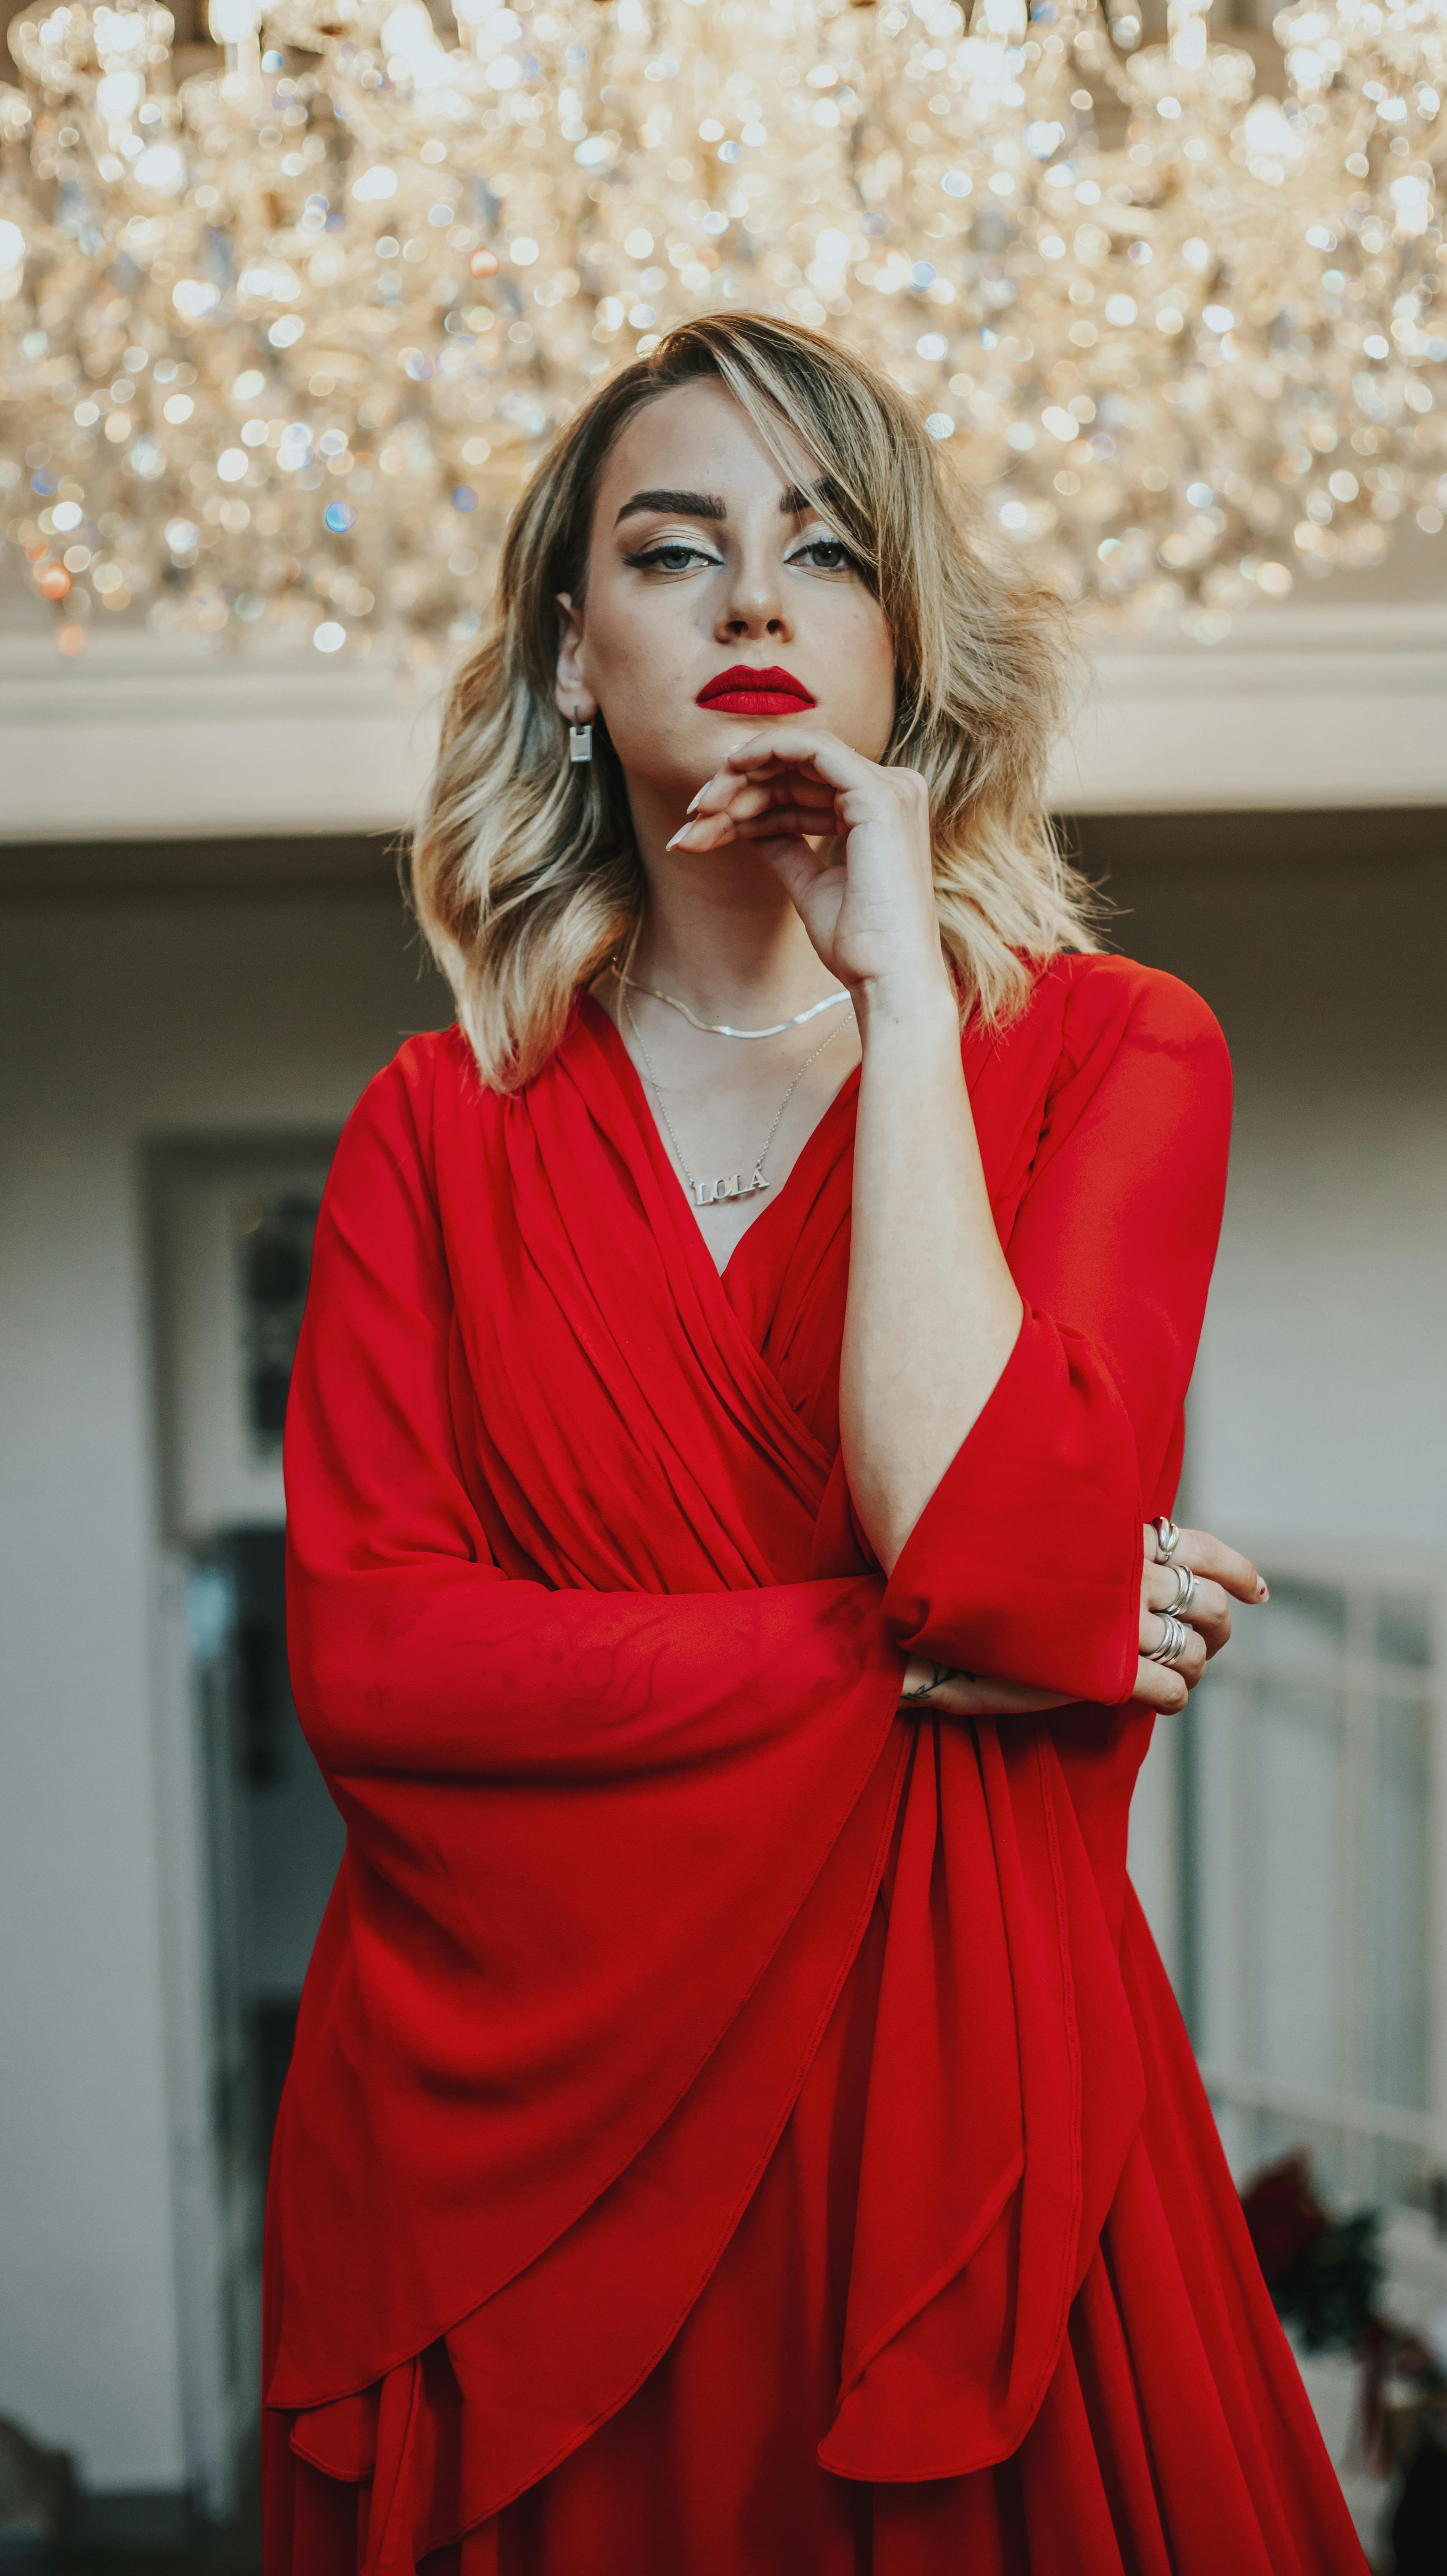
{"x": 744, "y": 691}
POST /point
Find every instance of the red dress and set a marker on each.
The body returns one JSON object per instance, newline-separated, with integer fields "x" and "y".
{"x": 736, "y": 2130}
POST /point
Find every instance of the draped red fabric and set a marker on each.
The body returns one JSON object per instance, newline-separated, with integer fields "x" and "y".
{"x": 734, "y": 2126}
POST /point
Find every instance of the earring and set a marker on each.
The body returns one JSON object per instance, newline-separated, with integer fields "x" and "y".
{"x": 580, "y": 737}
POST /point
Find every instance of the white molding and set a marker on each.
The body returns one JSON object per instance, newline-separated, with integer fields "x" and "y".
{"x": 1297, "y": 707}
{"x": 139, "y": 739}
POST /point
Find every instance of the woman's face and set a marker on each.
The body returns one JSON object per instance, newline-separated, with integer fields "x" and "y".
{"x": 708, "y": 571}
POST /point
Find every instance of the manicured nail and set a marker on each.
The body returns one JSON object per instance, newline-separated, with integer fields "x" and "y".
{"x": 694, "y": 799}
{"x": 1261, "y": 1592}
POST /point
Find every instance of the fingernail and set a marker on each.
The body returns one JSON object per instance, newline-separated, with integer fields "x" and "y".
{"x": 694, "y": 799}
{"x": 678, "y": 836}
{"x": 1261, "y": 1592}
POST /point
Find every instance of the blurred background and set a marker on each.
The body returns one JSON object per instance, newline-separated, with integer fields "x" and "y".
{"x": 213, "y": 729}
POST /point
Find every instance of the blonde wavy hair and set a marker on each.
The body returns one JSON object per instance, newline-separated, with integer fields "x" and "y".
{"x": 525, "y": 875}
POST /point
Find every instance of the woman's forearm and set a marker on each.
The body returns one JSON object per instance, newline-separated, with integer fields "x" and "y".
{"x": 933, "y": 1312}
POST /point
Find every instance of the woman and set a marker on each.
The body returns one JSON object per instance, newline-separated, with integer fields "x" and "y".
{"x": 739, "y": 2123}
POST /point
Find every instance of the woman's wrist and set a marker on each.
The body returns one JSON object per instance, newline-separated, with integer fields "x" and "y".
{"x": 917, "y": 1007}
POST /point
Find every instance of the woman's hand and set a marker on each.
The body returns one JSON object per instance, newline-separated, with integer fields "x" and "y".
{"x": 868, "y": 906}
{"x": 1221, "y": 1576}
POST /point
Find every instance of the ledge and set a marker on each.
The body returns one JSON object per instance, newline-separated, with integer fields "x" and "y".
{"x": 1299, "y": 707}
{"x": 141, "y": 740}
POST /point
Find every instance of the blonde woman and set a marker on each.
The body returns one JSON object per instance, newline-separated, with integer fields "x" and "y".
{"x": 739, "y": 2124}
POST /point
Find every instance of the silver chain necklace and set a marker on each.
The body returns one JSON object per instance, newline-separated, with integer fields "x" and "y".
{"x": 720, "y": 1028}
{"x": 732, "y": 1185}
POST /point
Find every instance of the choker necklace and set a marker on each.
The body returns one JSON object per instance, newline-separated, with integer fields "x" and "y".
{"x": 732, "y": 1185}
{"x": 720, "y": 1028}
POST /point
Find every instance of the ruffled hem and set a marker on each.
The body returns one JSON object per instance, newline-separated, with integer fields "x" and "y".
{"x": 1175, "y": 2438}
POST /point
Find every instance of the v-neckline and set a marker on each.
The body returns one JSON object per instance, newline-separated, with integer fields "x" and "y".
{"x": 808, "y": 1155}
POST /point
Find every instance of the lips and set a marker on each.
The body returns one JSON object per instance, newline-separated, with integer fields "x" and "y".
{"x": 747, "y": 692}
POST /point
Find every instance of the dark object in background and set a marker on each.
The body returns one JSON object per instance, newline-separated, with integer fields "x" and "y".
{"x": 1419, "y": 2525}
{"x": 276, "y": 1252}
{"x": 36, "y": 2489}
{"x": 1323, "y": 2273}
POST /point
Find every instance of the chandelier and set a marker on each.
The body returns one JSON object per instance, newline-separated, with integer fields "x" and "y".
{"x": 280, "y": 336}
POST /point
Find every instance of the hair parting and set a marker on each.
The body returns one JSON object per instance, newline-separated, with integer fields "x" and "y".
{"x": 524, "y": 872}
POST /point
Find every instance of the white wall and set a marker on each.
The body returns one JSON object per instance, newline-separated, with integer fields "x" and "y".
{"x": 119, "y": 1022}
{"x": 1318, "y": 1413}
{"x": 1320, "y": 1402}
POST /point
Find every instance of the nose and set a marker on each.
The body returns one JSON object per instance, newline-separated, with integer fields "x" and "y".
{"x": 753, "y": 603}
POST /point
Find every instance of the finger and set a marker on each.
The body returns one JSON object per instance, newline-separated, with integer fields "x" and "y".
{"x": 788, "y": 818}
{"x": 736, "y": 797}
{"x": 1225, "y": 1565}
{"x": 705, "y": 832}
{"x": 801, "y": 865}
{"x": 714, "y": 831}
{"x": 1190, "y": 1663}
{"x": 1208, "y": 1609}
{"x": 1159, "y": 1686}
{"x": 979, "y": 1695}
{"x": 736, "y": 793}
{"x": 1206, "y": 1554}
{"x": 821, "y": 751}
{"x": 742, "y": 800}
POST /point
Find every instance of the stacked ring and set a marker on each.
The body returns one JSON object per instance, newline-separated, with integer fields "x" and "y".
{"x": 1168, "y": 1537}
{"x": 1185, "y": 1591}
{"x": 1173, "y": 1641}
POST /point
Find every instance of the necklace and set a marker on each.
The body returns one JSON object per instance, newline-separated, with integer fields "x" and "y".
{"x": 732, "y": 1185}
{"x": 720, "y": 1028}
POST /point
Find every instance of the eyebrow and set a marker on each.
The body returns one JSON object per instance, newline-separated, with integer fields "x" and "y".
{"x": 793, "y": 504}
{"x": 687, "y": 505}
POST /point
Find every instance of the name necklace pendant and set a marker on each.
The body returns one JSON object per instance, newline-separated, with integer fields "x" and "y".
{"x": 730, "y": 1185}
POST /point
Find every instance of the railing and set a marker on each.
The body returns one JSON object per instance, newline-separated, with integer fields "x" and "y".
{"x": 1316, "y": 1847}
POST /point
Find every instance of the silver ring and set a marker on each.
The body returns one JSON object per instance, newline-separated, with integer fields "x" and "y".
{"x": 1173, "y": 1644}
{"x": 1185, "y": 1591}
{"x": 1168, "y": 1537}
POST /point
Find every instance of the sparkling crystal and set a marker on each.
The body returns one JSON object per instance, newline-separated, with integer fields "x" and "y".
{"x": 1152, "y": 307}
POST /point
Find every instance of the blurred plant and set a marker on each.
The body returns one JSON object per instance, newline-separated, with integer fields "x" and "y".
{"x": 1323, "y": 2272}
{"x": 1325, "y": 2277}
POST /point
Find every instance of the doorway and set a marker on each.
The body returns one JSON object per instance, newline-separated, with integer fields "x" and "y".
{"x": 250, "y": 1837}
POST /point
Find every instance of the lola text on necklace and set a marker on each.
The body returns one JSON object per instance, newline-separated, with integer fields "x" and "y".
{"x": 731, "y": 1185}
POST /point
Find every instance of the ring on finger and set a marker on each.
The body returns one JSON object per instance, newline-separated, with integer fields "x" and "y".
{"x": 1185, "y": 1576}
{"x": 1173, "y": 1640}
{"x": 1168, "y": 1537}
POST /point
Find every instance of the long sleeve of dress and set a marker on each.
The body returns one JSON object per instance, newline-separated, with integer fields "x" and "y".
{"x": 1026, "y": 1560}
{"x": 412, "y": 1651}
{"x": 581, "y": 1822}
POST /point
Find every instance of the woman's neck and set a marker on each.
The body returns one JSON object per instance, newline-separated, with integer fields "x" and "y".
{"x": 720, "y": 933}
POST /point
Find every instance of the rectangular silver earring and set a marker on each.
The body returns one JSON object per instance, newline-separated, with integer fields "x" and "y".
{"x": 580, "y": 739}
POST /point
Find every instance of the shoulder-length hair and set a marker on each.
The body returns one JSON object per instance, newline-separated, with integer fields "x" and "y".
{"x": 525, "y": 875}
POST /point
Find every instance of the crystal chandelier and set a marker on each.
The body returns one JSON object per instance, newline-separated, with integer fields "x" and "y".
{"x": 280, "y": 338}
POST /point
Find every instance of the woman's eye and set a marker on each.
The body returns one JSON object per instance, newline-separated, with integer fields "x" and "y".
{"x": 673, "y": 557}
{"x": 826, "y": 554}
